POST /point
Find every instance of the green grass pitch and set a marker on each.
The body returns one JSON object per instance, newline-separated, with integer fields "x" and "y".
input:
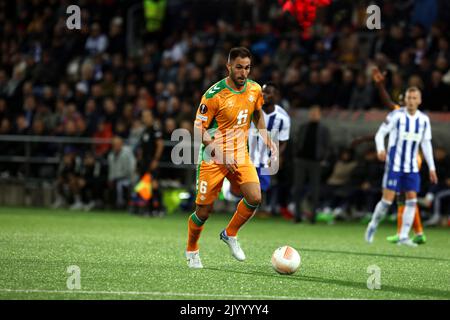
{"x": 127, "y": 257}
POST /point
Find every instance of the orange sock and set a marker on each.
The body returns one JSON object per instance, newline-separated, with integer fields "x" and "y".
{"x": 195, "y": 227}
{"x": 243, "y": 213}
{"x": 417, "y": 224}
{"x": 400, "y": 209}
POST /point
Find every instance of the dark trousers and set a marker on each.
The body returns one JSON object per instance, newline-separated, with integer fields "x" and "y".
{"x": 306, "y": 171}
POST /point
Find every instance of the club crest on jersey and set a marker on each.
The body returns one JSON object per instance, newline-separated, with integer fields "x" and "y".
{"x": 203, "y": 109}
{"x": 251, "y": 99}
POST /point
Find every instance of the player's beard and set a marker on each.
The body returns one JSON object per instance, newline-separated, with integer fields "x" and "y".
{"x": 238, "y": 83}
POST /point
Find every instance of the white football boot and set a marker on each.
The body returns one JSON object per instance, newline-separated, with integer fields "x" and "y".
{"x": 406, "y": 242}
{"x": 233, "y": 243}
{"x": 370, "y": 233}
{"x": 193, "y": 259}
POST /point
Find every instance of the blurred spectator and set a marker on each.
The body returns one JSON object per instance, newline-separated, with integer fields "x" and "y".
{"x": 437, "y": 198}
{"x": 367, "y": 178}
{"x": 362, "y": 94}
{"x": 66, "y": 185}
{"x": 313, "y": 143}
{"x": 97, "y": 42}
{"x": 89, "y": 183}
{"x": 339, "y": 187}
{"x": 121, "y": 173}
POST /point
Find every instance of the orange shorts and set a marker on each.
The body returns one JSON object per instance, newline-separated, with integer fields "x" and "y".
{"x": 210, "y": 178}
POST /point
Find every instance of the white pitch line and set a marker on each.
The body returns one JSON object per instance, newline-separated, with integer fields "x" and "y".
{"x": 155, "y": 293}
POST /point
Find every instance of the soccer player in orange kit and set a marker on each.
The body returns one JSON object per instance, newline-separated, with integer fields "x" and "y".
{"x": 223, "y": 120}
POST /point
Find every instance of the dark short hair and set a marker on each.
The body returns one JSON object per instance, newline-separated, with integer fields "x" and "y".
{"x": 240, "y": 52}
{"x": 270, "y": 84}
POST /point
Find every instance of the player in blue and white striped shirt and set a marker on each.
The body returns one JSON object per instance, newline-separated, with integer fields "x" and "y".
{"x": 278, "y": 124}
{"x": 408, "y": 128}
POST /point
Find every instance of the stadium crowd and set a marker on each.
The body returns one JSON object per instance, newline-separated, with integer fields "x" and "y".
{"x": 85, "y": 83}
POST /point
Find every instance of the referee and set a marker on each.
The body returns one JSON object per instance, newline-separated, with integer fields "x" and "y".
{"x": 150, "y": 149}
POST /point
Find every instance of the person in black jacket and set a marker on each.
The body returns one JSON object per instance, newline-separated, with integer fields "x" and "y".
{"x": 150, "y": 149}
{"x": 90, "y": 182}
{"x": 313, "y": 141}
{"x": 367, "y": 178}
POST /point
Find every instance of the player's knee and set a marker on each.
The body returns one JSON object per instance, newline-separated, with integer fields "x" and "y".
{"x": 203, "y": 211}
{"x": 254, "y": 199}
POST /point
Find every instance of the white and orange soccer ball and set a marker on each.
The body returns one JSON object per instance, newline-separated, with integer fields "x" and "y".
{"x": 286, "y": 260}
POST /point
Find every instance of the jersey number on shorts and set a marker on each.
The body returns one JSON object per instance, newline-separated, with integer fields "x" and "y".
{"x": 203, "y": 186}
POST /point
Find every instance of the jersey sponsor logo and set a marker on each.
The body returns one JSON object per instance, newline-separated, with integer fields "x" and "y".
{"x": 203, "y": 118}
{"x": 203, "y": 109}
{"x": 242, "y": 117}
{"x": 411, "y": 136}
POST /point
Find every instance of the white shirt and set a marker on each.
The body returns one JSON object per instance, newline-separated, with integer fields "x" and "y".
{"x": 278, "y": 124}
{"x": 406, "y": 132}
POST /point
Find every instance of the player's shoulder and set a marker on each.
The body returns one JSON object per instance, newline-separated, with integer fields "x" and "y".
{"x": 215, "y": 89}
{"x": 253, "y": 85}
{"x": 423, "y": 115}
{"x": 397, "y": 112}
{"x": 280, "y": 110}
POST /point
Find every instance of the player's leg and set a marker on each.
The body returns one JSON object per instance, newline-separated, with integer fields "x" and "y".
{"x": 247, "y": 178}
{"x": 265, "y": 186}
{"x": 419, "y": 237}
{"x": 408, "y": 218}
{"x": 381, "y": 209}
{"x": 400, "y": 208}
{"x": 195, "y": 228}
{"x": 411, "y": 183}
{"x": 209, "y": 183}
{"x": 400, "y": 199}
{"x": 245, "y": 210}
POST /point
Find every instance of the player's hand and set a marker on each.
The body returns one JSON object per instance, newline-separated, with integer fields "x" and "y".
{"x": 153, "y": 165}
{"x": 377, "y": 76}
{"x": 382, "y": 156}
{"x": 274, "y": 156}
{"x": 433, "y": 177}
{"x": 232, "y": 167}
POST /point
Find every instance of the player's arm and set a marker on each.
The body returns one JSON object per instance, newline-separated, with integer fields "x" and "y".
{"x": 427, "y": 150}
{"x": 203, "y": 119}
{"x": 384, "y": 129}
{"x": 205, "y": 114}
{"x": 379, "y": 80}
{"x": 258, "y": 120}
{"x": 284, "y": 137}
{"x": 159, "y": 150}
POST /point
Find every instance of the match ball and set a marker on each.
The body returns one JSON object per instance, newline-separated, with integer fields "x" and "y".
{"x": 286, "y": 260}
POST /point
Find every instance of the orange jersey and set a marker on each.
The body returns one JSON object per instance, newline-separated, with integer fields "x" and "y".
{"x": 227, "y": 115}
